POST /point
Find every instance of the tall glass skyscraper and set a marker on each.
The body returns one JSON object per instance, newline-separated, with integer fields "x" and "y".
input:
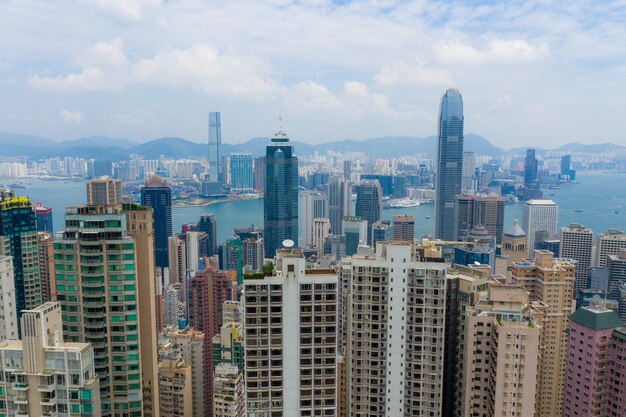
{"x": 241, "y": 180}
{"x": 215, "y": 142}
{"x": 280, "y": 209}
{"x": 449, "y": 163}
{"x": 530, "y": 169}
{"x": 369, "y": 204}
{"x": 157, "y": 195}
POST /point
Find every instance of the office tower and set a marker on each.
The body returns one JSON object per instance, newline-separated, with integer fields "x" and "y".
{"x": 598, "y": 278}
{"x": 97, "y": 280}
{"x": 191, "y": 344}
{"x": 500, "y": 350}
{"x": 177, "y": 260}
{"x": 355, "y": 231}
{"x": 617, "y": 380}
{"x": 8, "y": 314}
{"x": 482, "y": 250}
{"x": 609, "y": 243}
{"x": 241, "y": 179}
{"x": 395, "y": 333}
{"x": 139, "y": 227}
{"x": 531, "y": 170}
{"x": 550, "y": 281}
{"x": 208, "y": 290}
{"x": 18, "y": 238}
{"x": 252, "y": 252}
{"x": 335, "y": 246}
{"x": 468, "y": 182}
{"x": 157, "y": 195}
{"x": 45, "y": 376}
{"x": 174, "y": 383}
{"x": 484, "y": 210}
{"x": 45, "y": 247}
{"x": 515, "y": 243}
{"x": 208, "y": 225}
{"x": 259, "y": 173}
{"x": 280, "y": 205}
{"x": 544, "y": 240}
{"x": 232, "y": 257}
{"x": 228, "y": 394}
{"x": 312, "y": 205}
{"x": 215, "y": 143}
{"x": 577, "y": 244}
{"x": 566, "y": 167}
{"x": 347, "y": 170}
{"x": 44, "y": 219}
{"x": 291, "y": 339}
{"x": 539, "y": 215}
{"x": 339, "y": 202}
{"x": 587, "y": 382}
{"x": 321, "y": 229}
{"x": 617, "y": 278}
{"x": 100, "y": 168}
{"x": 104, "y": 192}
{"x": 404, "y": 228}
{"x": 382, "y": 230}
{"x": 369, "y": 204}
{"x": 449, "y": 163}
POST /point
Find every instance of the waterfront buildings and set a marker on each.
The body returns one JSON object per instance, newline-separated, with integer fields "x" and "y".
{"x": 215, "y": 143}
{"x": 588, "y": 368}
{"x": 577, "y": 243}
{"x": 339, "y": 193}
{"x": 241, "y": 179}
{"x": 18, "y": 239}
{"x": 42, "y": 375}
{"x": 8, "y": 314}
{"x": 531, "y": 170}
{"x": 404, "y": 228}
{"x": 609, "y": 243}
{"x": 157, "y": 195}
{"x": 291, "y": 339}
{"x": 539, "y": 216}
{"x": 208, "y": 225}
{"x": 259, "y": 174}
{"x": 484, "y": 210}
{"x": 369, "y": 205}
{"x": 449, "y": 163}
{"x": 104, "y": 191}
{"x": 280, "y": 205}
{"x": 550, "y": 281}
{"x": 97, "y": 284}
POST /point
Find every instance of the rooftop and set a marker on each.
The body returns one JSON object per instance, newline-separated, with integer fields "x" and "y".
{"x": 597, "y": 319}
{"x": 540, "y": 203}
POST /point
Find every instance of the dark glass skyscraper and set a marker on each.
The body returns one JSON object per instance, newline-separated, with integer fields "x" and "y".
{"x": 369, "y": 204}
{"x": 208, "y": 225}
{"x": 215, "y": 142}
{"x": 449, "y": 163}
{"x": 280, "y": 209}
{"x": 530, "y": 169}
{"x": 157, "y": 195}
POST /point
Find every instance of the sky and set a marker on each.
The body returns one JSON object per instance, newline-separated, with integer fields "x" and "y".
{"x": 537, "y": 73}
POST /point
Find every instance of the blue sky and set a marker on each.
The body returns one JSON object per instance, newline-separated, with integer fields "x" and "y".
{"x": 540, "y": 73}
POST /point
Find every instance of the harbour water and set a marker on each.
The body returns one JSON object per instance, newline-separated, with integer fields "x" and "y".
{"x": 598, "y": 201}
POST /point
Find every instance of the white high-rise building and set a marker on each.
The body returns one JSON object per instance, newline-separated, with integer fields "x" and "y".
{"x": 8, "y": 313}
{"x": 577, "y": 244}
{"x": 312, "y": 205}
{"x": 539, "y": 215}
{"x": 396, "y": 331}
{"x": 469, "y": 171}
{"x": 609, "y": 243}
{"x": 321, "y": 229}
{"x": 291, "y": 340}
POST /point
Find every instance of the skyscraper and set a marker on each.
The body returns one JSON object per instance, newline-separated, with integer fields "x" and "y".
{"x": 483, "y": 210}
{"x": 347, "y": 170}
{"x": 208, "y": 225}
{"x": 369, "y": 204}
{"x": 241, "y": 179}
{"x": 44, "y": 218}
{"x": 577, "y": 244}
{"x": 404, "y": 228}
{"x": 449, "y": 163}
{"x": 18, "y": 238}
{"x": 259, "y": 173}
{"x": 45, "y": 246}
{"x": 531, "y": 170}
{"x": 469, "y": 172}
{"x": 157, "y": 195}
{"x": 280, "y": 205}
{"x": 609, "y": 243}
{"x": 8, "y": 314}
{"x": 539, "y": 215}
{"x": 104, "y": 192}
{"x": 311, "y": 205}
{"x": 215, "y": 143}
{"x": 616, "y": 266}
{"x": 355, "y": 233}
{"x": 339, "y": 196}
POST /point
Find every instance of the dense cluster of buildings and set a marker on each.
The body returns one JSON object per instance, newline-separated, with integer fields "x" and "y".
{"x": 328, "y": 310}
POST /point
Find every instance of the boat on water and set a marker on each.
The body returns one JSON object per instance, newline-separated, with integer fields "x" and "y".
{"x": 17, "y": 185}
{"x": 403, "y": 203}
{"x": 578, "y": 211}
{"x": 428, "y": 217}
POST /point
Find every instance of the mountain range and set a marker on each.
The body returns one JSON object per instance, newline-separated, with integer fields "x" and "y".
{"x": 116, "y": 149}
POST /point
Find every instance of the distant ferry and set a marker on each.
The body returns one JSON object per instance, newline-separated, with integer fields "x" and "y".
{"x": 578, "y": 211}
{"x": 403, "y": 203}
{"x": 428, "y": 217}
{"x": 17, "y": 185}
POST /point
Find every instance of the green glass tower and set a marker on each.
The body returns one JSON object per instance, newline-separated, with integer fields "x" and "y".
{"x": 18, "y": 238}
{"x": 97, "y": 286}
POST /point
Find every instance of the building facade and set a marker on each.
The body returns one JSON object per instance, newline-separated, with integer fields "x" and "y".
{"x": 404, "y": 228}
{"x": 104, "y": 192}
{"x": 8, "y": 313}
{"x": 539, "y": 216}
{"x": 483, "y": 210}
{"x": 241, "y": 178}
{"x": 369, "y": 204}
{"x": 157, "y": 195}
{"x": 577, "y": 243}
{"x": 339, "y": 202}
{"x": 215, "y": 143}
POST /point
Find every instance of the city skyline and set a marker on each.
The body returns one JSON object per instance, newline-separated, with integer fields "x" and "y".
{"x": 146, "y": 88}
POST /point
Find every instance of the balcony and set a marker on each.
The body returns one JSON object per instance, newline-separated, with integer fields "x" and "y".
{"x": 19, "y": 386}
{"x": 48, "y": 402}
{"x": 46, "y": 387}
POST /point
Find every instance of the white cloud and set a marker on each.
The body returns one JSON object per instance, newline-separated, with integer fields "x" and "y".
{"x": 405, "y": 74}
{"x": 124, "y": 9}
{"x": 90, "y": 79}
{"x": 69, "y": 116}
{"x": 498, "y": 50}
{"x": 104, "y": 54}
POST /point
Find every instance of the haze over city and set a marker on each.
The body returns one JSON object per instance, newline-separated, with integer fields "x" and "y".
{"x": 532, "y": 72}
